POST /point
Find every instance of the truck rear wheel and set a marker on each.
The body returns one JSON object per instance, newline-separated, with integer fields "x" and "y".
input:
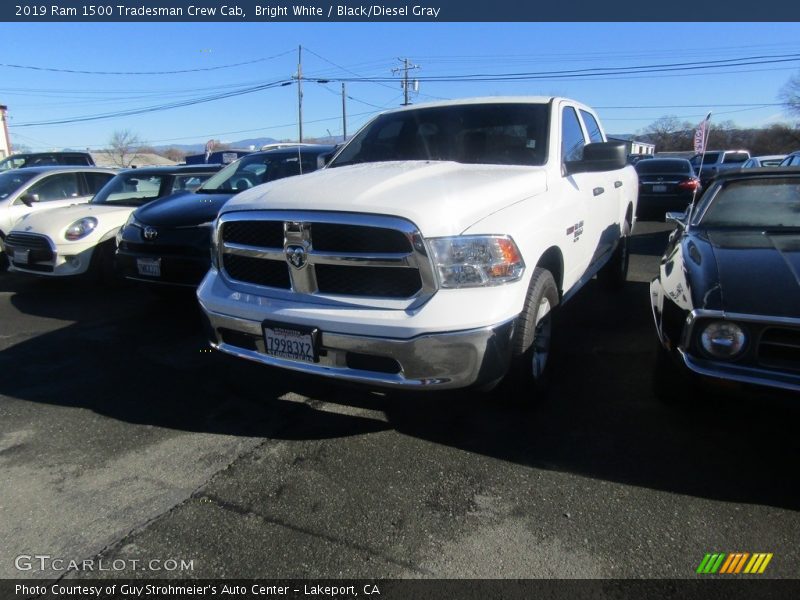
{"x": 615, "y": 272}
{"x": 533, "y": 334}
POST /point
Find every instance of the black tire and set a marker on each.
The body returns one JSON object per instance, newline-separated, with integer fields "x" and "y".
{"x": 101, "y": 265}
{"x": 531, "y": 362}
{"x": 614, "y": 273}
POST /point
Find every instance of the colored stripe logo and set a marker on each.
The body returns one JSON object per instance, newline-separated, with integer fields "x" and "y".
{"x": 734, "y": 563}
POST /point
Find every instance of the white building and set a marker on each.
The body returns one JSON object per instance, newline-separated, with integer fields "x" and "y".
{"x": 5, "y": 142}
{"x": 633, "y": 145}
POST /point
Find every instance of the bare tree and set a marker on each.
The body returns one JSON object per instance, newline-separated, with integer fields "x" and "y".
{"x": 123, "y": 147}
{"x": 790, "y": 95}
{"x": 668, "y": 134}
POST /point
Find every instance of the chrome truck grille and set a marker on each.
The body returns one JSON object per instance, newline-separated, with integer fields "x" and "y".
{"x": 325, "y": 254}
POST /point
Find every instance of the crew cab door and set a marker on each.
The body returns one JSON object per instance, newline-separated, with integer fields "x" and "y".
{"x": 579, "y": 190}
{"x": 607, "y": 194}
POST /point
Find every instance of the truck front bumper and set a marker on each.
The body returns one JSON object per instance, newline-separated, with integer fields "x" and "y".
{"x": 443, "y": 360}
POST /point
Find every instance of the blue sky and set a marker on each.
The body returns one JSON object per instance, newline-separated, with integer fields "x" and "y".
{"x": 626, "y": 103}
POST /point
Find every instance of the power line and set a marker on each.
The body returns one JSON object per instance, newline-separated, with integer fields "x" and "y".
{"x": 196, "y": 70}
{"x": 149, "y": 109}
{"x": 597, "y": 71}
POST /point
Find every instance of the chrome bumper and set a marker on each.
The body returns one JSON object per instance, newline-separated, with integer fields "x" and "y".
{"x": 432, "y": 361}
{"x": 740, "y": 373}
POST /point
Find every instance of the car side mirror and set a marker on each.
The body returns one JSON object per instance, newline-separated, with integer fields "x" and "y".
{"x": 599, "y": 156}
{"x": 29, "y": 199}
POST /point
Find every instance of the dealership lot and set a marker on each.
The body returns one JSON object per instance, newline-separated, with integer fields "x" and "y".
{"x": 123, "y": 438}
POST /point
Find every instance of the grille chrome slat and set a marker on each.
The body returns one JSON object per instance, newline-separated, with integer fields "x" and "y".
{"x": 254, "y": 251}
{"x": 361, "y": 256}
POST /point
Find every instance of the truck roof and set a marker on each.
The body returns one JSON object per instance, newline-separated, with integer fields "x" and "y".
{"x": 486, "y": 100}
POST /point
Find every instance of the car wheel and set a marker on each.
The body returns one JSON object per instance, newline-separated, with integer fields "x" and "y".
{"x": 101, "y": 265}
{"x": 615, "y": 272}
{"x": 533, "y": 334}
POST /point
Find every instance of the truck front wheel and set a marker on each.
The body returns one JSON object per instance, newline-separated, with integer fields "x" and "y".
{"x": 533, "y": 334}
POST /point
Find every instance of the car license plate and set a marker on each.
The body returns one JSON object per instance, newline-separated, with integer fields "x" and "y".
{"x": 22, "y": 257}
{"x": 659, "y": 188}
{"x": 149, "y": 266}
{"x": 290, "y": 341}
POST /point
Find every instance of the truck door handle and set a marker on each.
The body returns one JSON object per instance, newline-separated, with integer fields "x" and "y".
{"x": 617, "y": 184}
{"x": 597, "y": 191}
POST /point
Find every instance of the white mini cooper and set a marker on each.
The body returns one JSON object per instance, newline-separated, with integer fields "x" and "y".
{"x": 80, "y": 239}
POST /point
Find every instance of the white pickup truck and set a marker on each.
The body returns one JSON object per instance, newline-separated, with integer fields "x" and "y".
{"x": 431, "y": 251}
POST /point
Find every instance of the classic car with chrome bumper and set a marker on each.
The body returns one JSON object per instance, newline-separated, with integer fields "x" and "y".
{"x": 726, "y": 300}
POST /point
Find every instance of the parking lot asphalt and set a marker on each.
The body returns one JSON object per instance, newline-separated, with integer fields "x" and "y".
{"x": 123, "y": 437}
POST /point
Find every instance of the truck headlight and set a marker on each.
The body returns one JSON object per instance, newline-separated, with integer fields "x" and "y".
{"x": 723, "y": 339}
{"x": 476, "y": 260}
{"x": 80, "y": 228}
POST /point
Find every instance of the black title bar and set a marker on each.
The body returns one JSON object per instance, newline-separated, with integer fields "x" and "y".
{"x": 271, "y": 11}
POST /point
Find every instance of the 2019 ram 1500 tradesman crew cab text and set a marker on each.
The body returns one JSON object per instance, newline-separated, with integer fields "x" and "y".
{"x": 432, "y": 249}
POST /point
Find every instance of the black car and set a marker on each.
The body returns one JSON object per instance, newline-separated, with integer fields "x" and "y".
{"x": 169, "y": 241}
{"x": 665, "y": 184}
{"x": 726, "y": 301}
{"x": 41, "y": 159}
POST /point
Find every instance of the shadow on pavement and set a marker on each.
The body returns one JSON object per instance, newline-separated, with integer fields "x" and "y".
{"x": 601, "y": 419}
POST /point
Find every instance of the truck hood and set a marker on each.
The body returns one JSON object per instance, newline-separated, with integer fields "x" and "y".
{"x": 54, "y": 222}
{"x": 441, "y": 198}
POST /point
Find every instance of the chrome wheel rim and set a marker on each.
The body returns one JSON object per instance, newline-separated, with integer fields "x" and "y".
{"x": 541, "y": 339}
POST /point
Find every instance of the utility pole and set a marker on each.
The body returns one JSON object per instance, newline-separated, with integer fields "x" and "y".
{"x": 300, "y": 93}
{"x": 344, "y": 115}
{"x": 405, "y": 68}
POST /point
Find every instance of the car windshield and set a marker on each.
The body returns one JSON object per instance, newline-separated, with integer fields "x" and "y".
{"x": 130, "y": 189}
{"x": 763, "y": 203}
{"x": 255, "y": 169}
{"x": 11, "y": 181}
{"x": 657, "y": 165}
{"x": 502, "y": 133}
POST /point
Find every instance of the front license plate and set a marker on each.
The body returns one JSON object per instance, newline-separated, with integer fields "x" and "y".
{"x": 290, "y": 341}
{"x": 659, "y": 188}
{"x": 149, "y": 266}
{"x": 22, "y": 257}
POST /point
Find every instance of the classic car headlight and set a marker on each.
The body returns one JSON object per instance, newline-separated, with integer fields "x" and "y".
{"x": 80, "y": 228}
{"x": 476, "y": 260}
{"x": 723, "y": 339}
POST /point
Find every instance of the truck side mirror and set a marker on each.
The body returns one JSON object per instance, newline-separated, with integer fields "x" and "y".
{"x": 599, "y": 156}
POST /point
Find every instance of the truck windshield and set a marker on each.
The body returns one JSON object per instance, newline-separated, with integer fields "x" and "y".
{"x": 500, "y": 133}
